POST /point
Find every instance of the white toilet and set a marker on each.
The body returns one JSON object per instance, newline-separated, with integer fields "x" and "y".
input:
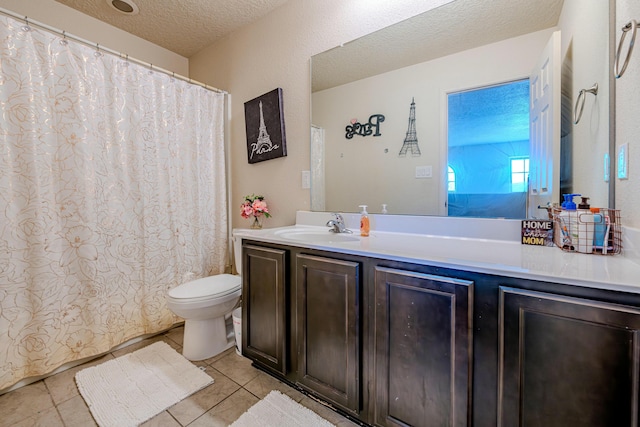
{"x": 206, "y": 305}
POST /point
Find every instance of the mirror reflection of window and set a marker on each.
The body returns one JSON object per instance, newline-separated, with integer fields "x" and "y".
{"x": 519, "y": 174}
{"x": 451, "y": 179}
{"x": 488, "y": 148}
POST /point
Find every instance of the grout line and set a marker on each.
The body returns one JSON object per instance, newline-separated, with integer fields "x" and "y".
{"x": 227, "y": 353}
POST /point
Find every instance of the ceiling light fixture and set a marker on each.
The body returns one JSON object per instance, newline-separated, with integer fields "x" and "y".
{"x": 128, "y": 7}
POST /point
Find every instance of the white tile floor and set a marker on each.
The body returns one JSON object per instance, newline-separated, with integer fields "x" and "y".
{"x": 55, "y": 401}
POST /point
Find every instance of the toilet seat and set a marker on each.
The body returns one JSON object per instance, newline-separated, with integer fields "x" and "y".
{"x": 207, "y": 288}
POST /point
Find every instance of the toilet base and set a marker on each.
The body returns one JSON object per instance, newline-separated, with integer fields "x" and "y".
{"x": 204, "y": 339}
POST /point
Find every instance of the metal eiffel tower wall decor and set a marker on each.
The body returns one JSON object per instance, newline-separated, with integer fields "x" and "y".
{"x": 411, "y": 140}
{"x": 264, "y": 121}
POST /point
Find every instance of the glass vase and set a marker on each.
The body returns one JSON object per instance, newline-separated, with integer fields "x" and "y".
{"x": 256, "y": 224}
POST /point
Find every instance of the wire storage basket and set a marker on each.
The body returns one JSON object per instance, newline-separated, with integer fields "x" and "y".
{"x": 598, "y": 232}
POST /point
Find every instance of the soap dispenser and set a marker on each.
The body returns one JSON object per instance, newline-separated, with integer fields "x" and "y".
{"x": 584, "y": 204}
{"x": 585, "y": 227}
{"x": 364, "y": 221}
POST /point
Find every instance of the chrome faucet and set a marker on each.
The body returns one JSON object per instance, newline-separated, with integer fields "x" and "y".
{"x": 337, "y": 224}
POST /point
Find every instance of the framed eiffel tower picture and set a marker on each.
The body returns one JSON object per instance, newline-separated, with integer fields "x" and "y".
{"x": 264, "y": 121}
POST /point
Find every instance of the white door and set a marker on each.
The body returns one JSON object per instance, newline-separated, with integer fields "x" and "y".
{"x": 544, "y": 129}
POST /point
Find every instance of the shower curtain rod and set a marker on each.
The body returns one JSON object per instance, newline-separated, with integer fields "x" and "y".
{"x": 64, "y": 34}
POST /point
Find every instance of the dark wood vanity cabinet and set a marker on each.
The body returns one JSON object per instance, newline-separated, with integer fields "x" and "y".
{"x": 328, "y": 307}
{"x": 400, "y": 344}
{"x": 423, "y": 349}
{"x": 264, "y": 300}
{"x": 567, "y": 361}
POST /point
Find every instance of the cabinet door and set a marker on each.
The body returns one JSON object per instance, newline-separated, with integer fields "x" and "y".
{"x": 567, "y": 361}
{"x": 264, "y": 306}
{"x": 423, "y": 349}
{"x": 328, "y": 310}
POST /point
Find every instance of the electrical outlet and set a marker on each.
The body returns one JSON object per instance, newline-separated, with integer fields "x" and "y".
{"x": 424, "y": 172}
{"x": 306, "y": 179}
{"x": 623, "y": 161}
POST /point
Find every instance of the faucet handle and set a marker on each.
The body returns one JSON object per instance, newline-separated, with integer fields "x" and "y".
{"x": 337, "y": 223}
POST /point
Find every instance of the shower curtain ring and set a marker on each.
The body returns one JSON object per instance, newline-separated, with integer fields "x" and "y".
{"x": 64, "y": 41}
{"x": 26, "y": 26}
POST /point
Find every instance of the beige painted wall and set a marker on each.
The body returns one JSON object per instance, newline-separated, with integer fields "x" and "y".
{"x": 585, "y": 40}
{"x": 373, "y": 176}
{"x": 628, "y": 120}
{"x": 62, "y": 17}
{"x": 247, "y": 65}
{"x": 274, "y": 52}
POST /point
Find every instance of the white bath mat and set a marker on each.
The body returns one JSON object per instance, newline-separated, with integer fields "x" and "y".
{"x": 133, "y": 388}
{"x": 278, "y": 410}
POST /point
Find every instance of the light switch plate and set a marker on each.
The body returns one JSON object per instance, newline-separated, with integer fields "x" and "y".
{"x": 623, "y": 161}
{"x": 306, "y": 179}
{"x": 424, "y": 172}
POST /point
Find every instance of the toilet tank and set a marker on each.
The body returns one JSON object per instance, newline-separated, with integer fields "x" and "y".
{"x": 237, "y": 253}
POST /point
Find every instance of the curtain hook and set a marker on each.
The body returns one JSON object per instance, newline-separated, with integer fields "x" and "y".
{"x": 64, "y": 41}
{"x": 26, "y": 26}
{"x": 150, "y": 68}
{"x": 97, "y": 53}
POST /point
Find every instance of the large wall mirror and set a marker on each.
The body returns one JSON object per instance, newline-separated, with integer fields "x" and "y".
{"x": 440, "y": 114}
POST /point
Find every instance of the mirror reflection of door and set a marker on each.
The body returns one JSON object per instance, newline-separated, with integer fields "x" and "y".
{"x": 544, "y": 181}
{"x": 488, "y": 151}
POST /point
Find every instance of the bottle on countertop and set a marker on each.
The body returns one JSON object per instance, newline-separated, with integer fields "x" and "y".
{"x": 585, "y": 227}
{"x": 599, "y": 228}
{"x": 384, "y": 209}
{"x": 364, "y": 221}
{"x": 569, "y": 222}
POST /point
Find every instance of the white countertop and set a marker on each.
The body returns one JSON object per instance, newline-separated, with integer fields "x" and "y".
{"x": 499, "y": 257}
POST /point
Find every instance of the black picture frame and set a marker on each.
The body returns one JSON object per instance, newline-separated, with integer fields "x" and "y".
{"x": 264, "y": 122}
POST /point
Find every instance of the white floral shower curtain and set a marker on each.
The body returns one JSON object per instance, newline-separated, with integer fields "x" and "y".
{"x": 112, "y": 189}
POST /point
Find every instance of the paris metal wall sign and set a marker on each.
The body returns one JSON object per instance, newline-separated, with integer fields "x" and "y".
{"x": 372, "y": 127}
{"x": 410, "y": 143}
{"x": 264, "y": 121}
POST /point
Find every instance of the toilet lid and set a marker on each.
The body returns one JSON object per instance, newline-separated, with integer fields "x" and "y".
{"x": 218, "y": 285}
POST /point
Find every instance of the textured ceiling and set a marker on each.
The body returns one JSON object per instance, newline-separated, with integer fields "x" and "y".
{"x": 185, "y": 26}
{"x": 489, "y": 115}
{"x": 454, "y": 27}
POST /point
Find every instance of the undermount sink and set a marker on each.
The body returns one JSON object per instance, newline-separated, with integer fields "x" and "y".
{"x": 317, "y": 236}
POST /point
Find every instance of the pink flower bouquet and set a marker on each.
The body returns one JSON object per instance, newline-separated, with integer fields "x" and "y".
{"x": 254, "y": 206}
